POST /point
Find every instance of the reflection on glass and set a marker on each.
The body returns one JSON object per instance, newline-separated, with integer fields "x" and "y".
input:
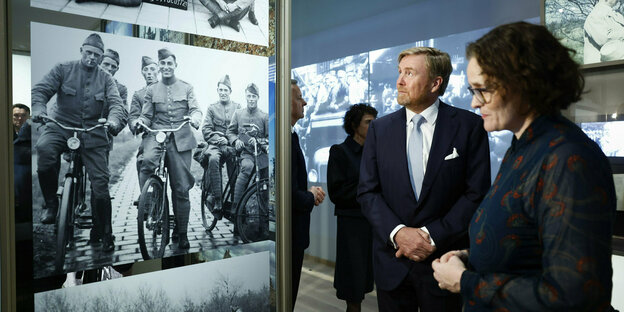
{"x": 331, "y": 87}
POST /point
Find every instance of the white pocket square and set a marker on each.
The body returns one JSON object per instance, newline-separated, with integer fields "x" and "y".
{"x": 452, "y": 155}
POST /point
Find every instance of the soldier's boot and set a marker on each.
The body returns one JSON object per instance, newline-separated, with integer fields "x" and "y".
{"x": 183, "y": 242}
{"x": 182, "y": 208}
{"x": 235, "y": 25}
{"x": 175, "y": 237}
{"x": 48, "y": 181}
{"x": 95, "y": 234}
{"x": 213, "y": 21}
{"x": 104, "y": 212}
{"x": 252, "y": 16}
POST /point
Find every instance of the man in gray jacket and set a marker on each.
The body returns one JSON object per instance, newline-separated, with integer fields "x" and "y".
{"x": 248, "y": 125}
{"x": 84, "y": 93}
{"x": 219, "y": 151}
{"x": 166, "y": 104}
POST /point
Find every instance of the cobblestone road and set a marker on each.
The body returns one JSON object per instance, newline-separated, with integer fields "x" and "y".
{"x": 124, "y": 222}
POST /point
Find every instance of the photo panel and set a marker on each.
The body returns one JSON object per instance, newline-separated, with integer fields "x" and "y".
{"x": 200, "y": 70}
{"x": 237, "y": 20}
{"x": 234, "y": 284}
{"x": 593, "y": 29}
{"x": 329, "y": 88}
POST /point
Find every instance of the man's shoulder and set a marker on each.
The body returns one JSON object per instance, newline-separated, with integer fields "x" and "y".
{"x": 461, "y": 114}
{"x": 262, "y": 114}
{"x": 140, "y": 92}
{"x": 214, "y": 105}
{"x": 67, "y": 66}
{"x": 120, "y": 85}
{"x": 184, "y": 84}
{"x": 390, "y": 118}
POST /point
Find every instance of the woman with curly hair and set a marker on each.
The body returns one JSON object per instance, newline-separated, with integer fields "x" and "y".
{"x": 353, "y": 277}
{"x": 541, "y": 238}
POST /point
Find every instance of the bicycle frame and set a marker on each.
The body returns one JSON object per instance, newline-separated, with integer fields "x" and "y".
{"x": 72, "y": 201}
{"x": 158, "y": 224}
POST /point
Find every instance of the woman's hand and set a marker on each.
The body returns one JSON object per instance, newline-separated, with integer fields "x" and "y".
{"x": 448, "y": 269}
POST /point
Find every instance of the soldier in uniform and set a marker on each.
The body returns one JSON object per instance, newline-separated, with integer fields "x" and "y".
{"x": 149, "y": 70}
{"x": 166, "y": 104}
{"x": 218, "y": 151}
{"x": 230, "y": 12}
{"x": 110, "y": 63}
{"x": 85, "y": 93}
{"x": 242, "y": 135}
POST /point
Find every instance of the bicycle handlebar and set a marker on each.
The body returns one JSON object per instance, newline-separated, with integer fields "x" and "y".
{"x": 186, "y": 121}
{"x": 46, "y": 118}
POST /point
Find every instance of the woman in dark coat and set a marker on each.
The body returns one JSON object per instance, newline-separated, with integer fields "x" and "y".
{"x": 354, "y": 269}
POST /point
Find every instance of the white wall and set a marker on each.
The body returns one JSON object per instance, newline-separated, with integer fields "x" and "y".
{"x": 21, "y": 79}
{"x": 617, "y": 300}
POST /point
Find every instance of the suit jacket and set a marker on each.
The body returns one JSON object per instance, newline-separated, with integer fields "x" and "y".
{"x": 302, "y": 199}
{"x": 452, "y": 189}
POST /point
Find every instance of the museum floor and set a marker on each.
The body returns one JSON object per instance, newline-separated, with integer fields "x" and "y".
{"x": 317, "y": 293}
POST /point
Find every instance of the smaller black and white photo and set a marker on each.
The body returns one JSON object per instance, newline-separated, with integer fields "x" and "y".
{"x": 237, "y": 20}
{"x": 233, "y": 284}
{"x": 608, "y": 135}
{"x": 144, "y": 150}
{"x": 594, "y": 29}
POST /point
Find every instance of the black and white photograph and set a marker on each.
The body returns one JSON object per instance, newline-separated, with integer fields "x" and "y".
{"x": 329, "y": 88}
{"x": 144, "y": 149}
{"x": 233, "y": 284}
{"x": 594, "y": 29}
{"x": 371, "y": 77}
{"x": 608, "y": 135}
{"x": 237, "y": 20}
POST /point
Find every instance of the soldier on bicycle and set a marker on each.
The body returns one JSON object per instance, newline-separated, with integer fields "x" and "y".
{"x": 248, "y": 126}
{"x": 166, "y": 104}
{"x": 217, "y": 119}
{"x": 85, "y": 93}
{"x": 149, "y": 70}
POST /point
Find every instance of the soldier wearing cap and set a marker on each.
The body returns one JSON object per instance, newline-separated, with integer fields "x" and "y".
{"x": 241, "y": 134}
{"x": 217, "y": 119}
{"x": 110, "y": 63}
{"x": 149, "y": 70}
{"x": 230, "y": 12}
{"x": 165, "y": 105}
{"x": 84, "y": 93}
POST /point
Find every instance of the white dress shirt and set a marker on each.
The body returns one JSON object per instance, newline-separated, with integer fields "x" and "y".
{"x": 427, "y": 127}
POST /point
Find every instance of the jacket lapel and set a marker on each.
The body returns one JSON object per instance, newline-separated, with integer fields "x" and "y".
{"x": 443, "y": 135}
{"x": 397, "y": 139}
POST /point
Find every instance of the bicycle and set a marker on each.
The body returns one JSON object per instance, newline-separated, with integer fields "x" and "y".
{"x": 153, "y": 210}
{"x": 72, "y": 193}
{"x": 253, "y": 214}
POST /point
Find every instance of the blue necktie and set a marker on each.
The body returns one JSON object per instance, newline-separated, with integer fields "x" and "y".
{"x": 415, "y": 155}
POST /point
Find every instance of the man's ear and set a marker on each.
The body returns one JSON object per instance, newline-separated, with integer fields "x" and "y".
{"x": 436, "y": 84}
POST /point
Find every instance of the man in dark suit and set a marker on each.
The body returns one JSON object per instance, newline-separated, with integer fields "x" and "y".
{"x": 424, "y": 170}
{"x": 303, "y": 199}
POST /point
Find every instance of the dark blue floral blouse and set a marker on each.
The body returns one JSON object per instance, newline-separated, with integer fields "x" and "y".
{"x": 541, "y": 239}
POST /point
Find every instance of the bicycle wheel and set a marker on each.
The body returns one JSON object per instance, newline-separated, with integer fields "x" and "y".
{"x": 252, "y": 216}
{"x": 208, "y": 219}
{"x": 153, "y": 219}
{"x": 63, "y": 226}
